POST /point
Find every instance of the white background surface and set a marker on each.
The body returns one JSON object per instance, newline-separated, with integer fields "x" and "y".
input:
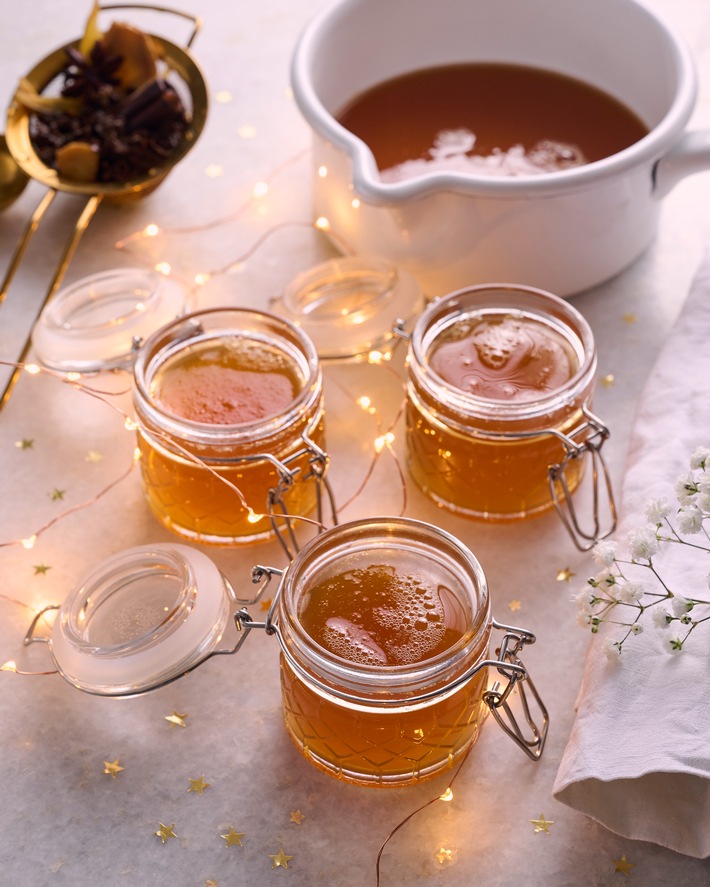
{"x": 62, "y": 821}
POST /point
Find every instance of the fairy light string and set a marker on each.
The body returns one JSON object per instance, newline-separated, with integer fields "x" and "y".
{"x": 446, "y": 797}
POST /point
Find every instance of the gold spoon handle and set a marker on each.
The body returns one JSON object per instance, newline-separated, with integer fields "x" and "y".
{"x": 92, "y": 204}
{"x": 24, "y": 241}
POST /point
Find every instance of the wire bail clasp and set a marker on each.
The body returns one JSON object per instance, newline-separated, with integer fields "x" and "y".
{"x": 318, "y": 461}
{"x": 586, "y": 438}
{"x": 497, "y": 698}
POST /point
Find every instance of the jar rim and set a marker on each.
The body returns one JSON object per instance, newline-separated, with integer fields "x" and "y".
{"x": 499, "y": 298}
{"x": 366, "y": 681}
{"x": 212, "y": 323}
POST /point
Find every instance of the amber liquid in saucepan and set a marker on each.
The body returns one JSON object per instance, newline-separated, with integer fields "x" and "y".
{"x": 436, "y": 118}
{"x": 501, "y": 358}
{"x": 382, "y": 616}
{"x": 222, "y": 382}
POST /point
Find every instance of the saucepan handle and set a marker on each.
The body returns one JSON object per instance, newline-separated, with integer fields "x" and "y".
{"x": 689, "y": 155}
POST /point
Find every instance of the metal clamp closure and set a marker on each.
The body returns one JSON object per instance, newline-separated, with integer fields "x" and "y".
{"x": 497, "y": 699}
{"x": 588, "y": 437}
{"x": 318, "y": 461}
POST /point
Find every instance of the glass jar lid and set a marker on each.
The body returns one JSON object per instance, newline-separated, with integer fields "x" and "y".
{"x": 97, "y": 322}
{"x": 142, "y": 618}
{"x": 349, "y": 305}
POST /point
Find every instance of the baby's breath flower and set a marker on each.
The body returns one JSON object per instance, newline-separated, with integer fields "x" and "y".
{"x": 612, "y": 650}
{"x": 690, "y": 519}
{"x": 699, "y": 458}
{"x": 685, "y": 488}
{"x": 681, "y": 605}
{"x": 605, "y": 579}
{"x": 616, "y": 586}
{"x": 643, "y": 543}
{"x": 661, "y": 618}
{"x": 657, "y": 510}
{"x": 585, "y": 600}
{"x": 604, "y": 553}
{"x": 631, "y": 592}
{"x": 584, "y": 620}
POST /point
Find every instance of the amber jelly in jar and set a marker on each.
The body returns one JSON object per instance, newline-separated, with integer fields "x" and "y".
{"x": 229, "y": 407}
{"x": 500, "y": 381}
{"x": 384, "y": 627}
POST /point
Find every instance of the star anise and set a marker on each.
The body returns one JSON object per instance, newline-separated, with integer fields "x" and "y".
{"x": 92, "y": 80}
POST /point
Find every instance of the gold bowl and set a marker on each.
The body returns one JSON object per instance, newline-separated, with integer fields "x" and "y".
{"x": 184, "y": 75}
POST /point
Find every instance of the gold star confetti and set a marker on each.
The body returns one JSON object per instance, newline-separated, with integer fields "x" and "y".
{"x": 224, "y": 97}
{"x": 210, "y": 883}
{"x": 514, "y": 605}
{"x": 542, "y": 824}
{"x": 565, "y": 574}
{"x": 623, "y": 865}
{"x": 165, "y": 832}
{"x": 41, "y": 569}
{"x": 280, "y": 859}
{"x": 444, "y": 855}
{"x": 176, "y": 719}
{"x": 233, "y": 838}
{"x": 25, "y": 444}
{"x": 57, "y": 494}
{"x": 297, "y": 817}
{"x": 198, "y": 785}
{"x": 112, "y": 768}
{"x": 607, "y": 381}
{"x": 629, "y": 318}
{"x": 214, "y": 170}
{"x": 265, "y": 605}
{"x": 93, "y": 456}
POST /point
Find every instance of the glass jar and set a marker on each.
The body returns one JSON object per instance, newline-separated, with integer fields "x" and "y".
{"x": 499, "y": 382}
{"x": 384, "y": 627}
{"x": 229, "y": 408}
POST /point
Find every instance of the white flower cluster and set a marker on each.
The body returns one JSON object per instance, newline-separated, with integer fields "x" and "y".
{"x": 612, "y": 596}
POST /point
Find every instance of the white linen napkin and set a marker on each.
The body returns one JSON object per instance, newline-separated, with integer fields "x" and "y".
{"x": 638, "y": 757}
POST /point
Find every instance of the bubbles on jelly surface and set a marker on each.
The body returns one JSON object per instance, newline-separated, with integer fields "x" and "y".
{"x": 375, "y": 616}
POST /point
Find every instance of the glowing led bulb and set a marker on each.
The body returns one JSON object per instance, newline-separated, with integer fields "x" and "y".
{"x": 322, "y": 171}
{"x": 151, "y": 231}
{"x": 322, "y": 224}
{"x": 8, "y": 666}
{"x": 384, "y": 440}
{"x": 163, "y": 268}
{"x": 130, "y": 424}
{"x": 29, "y": 541}
{"x": 447, "y": 796}
{"x": 32, "y": 369}
{"x": 260, "y": 189}
{"x": 253, "y": 517}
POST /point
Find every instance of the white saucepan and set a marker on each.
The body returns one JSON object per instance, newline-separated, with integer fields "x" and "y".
{"x": 562, "y": 231}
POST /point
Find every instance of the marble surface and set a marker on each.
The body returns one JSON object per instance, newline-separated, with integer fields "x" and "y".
{"x": 62, "y": 820}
